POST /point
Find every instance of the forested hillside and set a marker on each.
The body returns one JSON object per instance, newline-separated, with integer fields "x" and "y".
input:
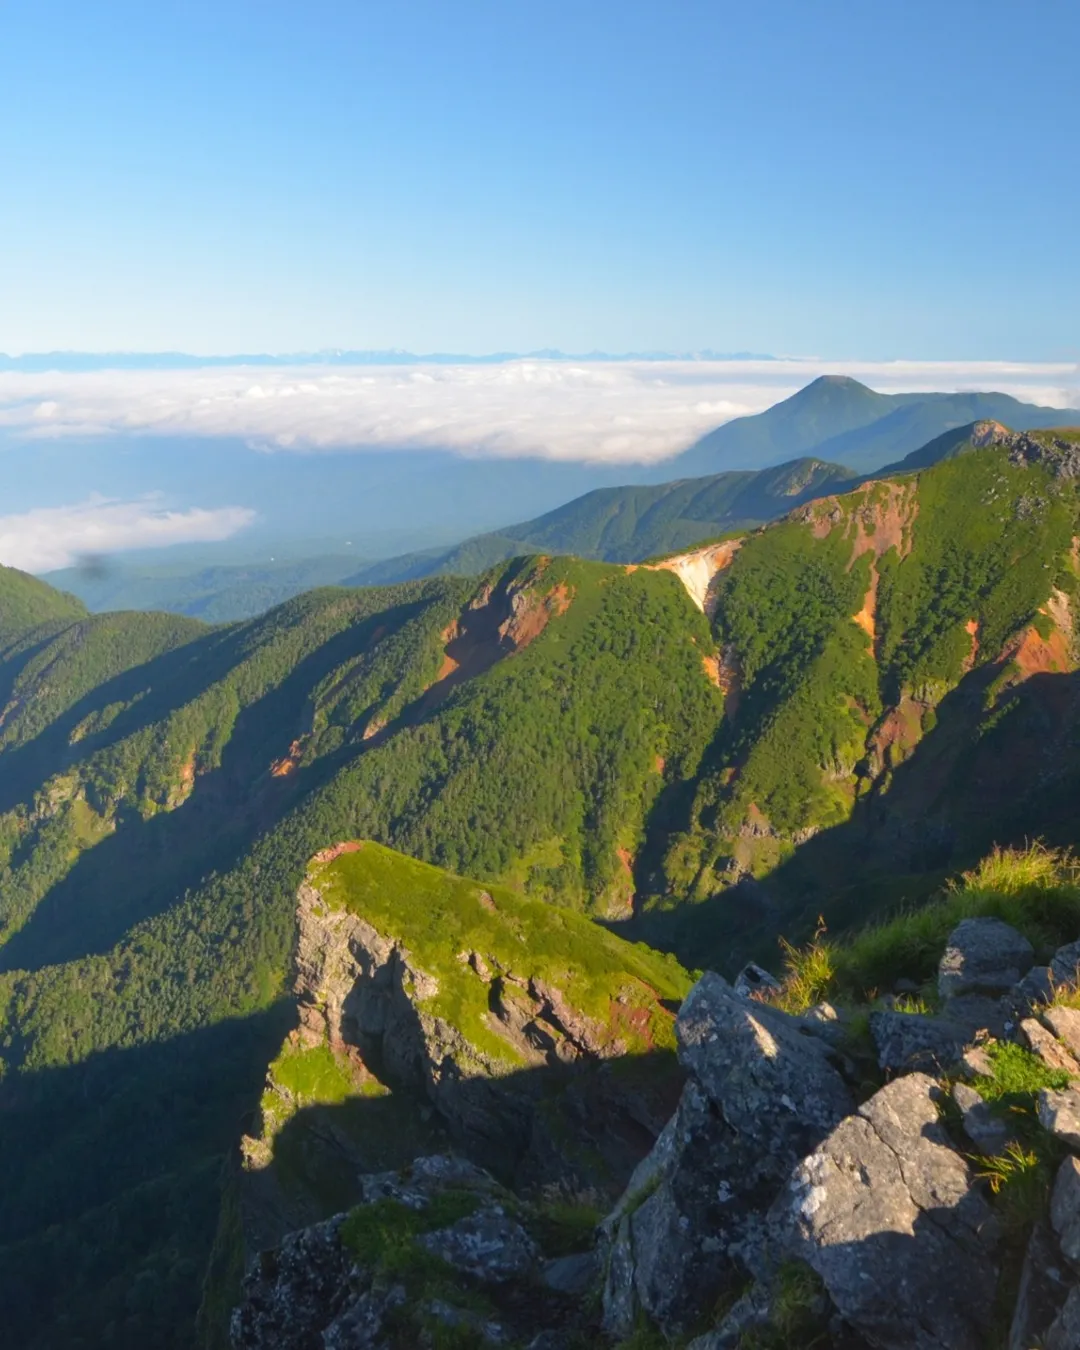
{"x": 880, "y": 685}
{"x": 629, "y": 524}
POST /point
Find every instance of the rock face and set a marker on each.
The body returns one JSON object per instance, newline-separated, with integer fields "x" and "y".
{"x": 1059, "y": 1113}
{"x": 983, "y": 956}
{"x": 434, "y": 1252}
{"x": 987, "y": 1131}
{"x": 762, "y": 1093}
{"x": 359, "y": 990}
{"x": 887, "y": 1213}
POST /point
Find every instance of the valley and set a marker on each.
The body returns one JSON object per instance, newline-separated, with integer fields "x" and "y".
{"x": 808, "y": 725}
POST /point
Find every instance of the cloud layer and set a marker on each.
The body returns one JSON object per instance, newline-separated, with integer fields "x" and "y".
{"x": 51, "y": 537}
{"x": 632, "y": 411}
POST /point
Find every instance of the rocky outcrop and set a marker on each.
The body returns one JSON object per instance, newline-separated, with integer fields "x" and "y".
{"x": 768, "y": 1166}
{"x": 762, "y": 1092}
{"x": 363, "y": 993}
{"x": 983, "y": 956}
{"x": 890, "y": 1217}
{"x": 432, "y": 1256}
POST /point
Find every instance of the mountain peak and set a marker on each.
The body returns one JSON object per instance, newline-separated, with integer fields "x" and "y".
{"x": 828, "y": 384}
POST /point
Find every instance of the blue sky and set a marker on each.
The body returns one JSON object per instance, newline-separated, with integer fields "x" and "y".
{"x": 835, "y": 179}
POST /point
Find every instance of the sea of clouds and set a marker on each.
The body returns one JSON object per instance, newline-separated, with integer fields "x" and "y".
{"x": 615, "y": 411}
{"x": 633, "y": 411}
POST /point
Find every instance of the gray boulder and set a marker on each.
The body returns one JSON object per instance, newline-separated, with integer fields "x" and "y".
{"x": 908, "y": 1041}
{"x": 1059, "y": 1112}
{"x": 983, "y": 956}
{"x": 1065, "y": 1024}
{"x": 987, "y": 1132}
{"x": 890, "y": 1217}
{"x": 1043, "y": 1289}
{"x": 1042, "y": 1043}
{"x": 291, "y": 1294}
{"x": 1065, "y": 1333}
{"x": 1065, "y": 1209}
{"x": 574, "y": 1275}
{"x": 1032, "y": 993}
{"x": 1065, "y": 966}
{"x": 762, "y": 1093}
{"x": 488, "y": 1245}
{"x": 314, "y": 1293}
{"x": 754, "y": 979}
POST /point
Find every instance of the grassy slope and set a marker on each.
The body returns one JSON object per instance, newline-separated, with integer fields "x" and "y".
{"x": 437, "y": 916}
{"x": 964, "y": 558}
{"x": 150, "y": 868}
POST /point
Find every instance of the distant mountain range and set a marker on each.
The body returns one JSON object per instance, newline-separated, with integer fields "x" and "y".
{"x": 34, "y": 362}
{"x": 745, "y": 473}
{"x": 838, "y": 419}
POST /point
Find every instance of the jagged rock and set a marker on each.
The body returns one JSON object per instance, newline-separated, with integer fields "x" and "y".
{"x": 1032, "y": 992}
{"x": 1042, "y": 1291}
{"x": 750, "y": 1312}
{"x": 1065, "y": 1209}
{"x": 1040, "y": 1042}
{"x": 1065, "y": 1333}
{"x": 1059, "y": 1112}
{"x": 889, "y": 1216}
{"x": 574, "y": 1275}
{"x": 934, "y": 1043}
{"x": 826, "y": 1021}
{"x": 762, "y": 1093}
{"x": 361, "y": 1325}
{"x": 983, "y": 956}
{"x": 488, "y": 1245}
{"x": 292, "y": 1292}
{"x": 976, "y": 1063}
{"x": 314, "y": 1293}
{"x": 754, "y": 979}
{"x": 477, "y": 1327}
{"x": 987, "y": 1132}
{"x": 1065, "y": 1024}
{"x": 976, "y": 1016}
{"x": 907, "y": 1041}
{"x": 1065, "y": 966}
{"x": 359, "y": 989}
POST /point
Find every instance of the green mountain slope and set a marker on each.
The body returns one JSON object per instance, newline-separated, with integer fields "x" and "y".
{"x": 883, "y": 685}
{"x": 154, "y": 830}
{"x": 27, "y": 603}
{"x": 881, "y": 651}
{"x": 629, "y": 524}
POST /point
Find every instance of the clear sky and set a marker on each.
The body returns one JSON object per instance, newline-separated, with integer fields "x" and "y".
{"x": 840, "y": 178}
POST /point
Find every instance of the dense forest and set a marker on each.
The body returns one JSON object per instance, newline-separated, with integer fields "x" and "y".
{"x": 578, "y": 732}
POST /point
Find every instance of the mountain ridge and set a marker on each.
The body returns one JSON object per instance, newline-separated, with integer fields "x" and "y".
{"x": 859, "y": 699}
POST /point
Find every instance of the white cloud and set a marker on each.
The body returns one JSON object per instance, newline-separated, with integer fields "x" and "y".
{"x": 50, "y": 537}
{"x": 631, "y": 411}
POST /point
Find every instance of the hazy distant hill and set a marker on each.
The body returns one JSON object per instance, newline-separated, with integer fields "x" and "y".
{"x": 620, "y": 513}
{"x": 629, "y": 524}
{"x": 837, "y": 418}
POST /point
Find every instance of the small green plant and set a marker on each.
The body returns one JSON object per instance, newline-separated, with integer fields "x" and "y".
{"x": 1019, "y": 1179}
{"x": 565, "y": 1221}
{"x": 912, "y": 1003}
{"x": 798, "y": 1319}
{"x": 1018, "y": 1075}
{"x": 809, "y": 974}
